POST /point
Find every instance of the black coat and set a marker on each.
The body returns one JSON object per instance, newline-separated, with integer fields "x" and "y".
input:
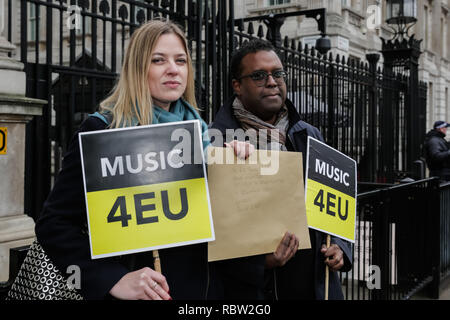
{"x": 245, "y": 278}
{"x": 62, "y": 232}
{"x": 437, "y": 154}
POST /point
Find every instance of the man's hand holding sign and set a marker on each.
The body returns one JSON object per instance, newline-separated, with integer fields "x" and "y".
{"x": 334, "y": 256}
{"x": 285, "y": 250}
{"x": 330, "y": 199}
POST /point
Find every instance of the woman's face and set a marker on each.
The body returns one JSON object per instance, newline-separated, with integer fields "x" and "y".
{"x": 168, "y": 72}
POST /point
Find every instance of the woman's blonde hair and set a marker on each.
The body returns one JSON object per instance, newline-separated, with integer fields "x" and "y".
{"x": 131, "y": 96}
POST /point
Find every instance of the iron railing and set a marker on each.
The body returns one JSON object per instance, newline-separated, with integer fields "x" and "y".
{"x": 359, "y": 107}
{"x": 444, "y": 250}
{"x": 401, "y": 242}
{"x": 72, "y": 51}
{"x": 401, "y": 247}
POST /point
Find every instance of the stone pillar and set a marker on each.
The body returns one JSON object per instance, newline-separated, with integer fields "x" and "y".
{"x": 16, "y": 228}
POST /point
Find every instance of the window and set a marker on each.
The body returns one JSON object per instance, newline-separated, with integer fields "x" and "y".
{"x": 446, "y": 104}
{"x": 87, "y": 25}
{"x": 426, "y": 27}
{"x": 138, "y": 10}
{"x": 278, "y": 2}
{"x": 355, "y": 58}
{"x": 356, "y": 5}
{"x": 430, "y": 103}
{"x": 74, "y": 17}
{"x": 33, "y": 22}
{"x": 444, "y": 36}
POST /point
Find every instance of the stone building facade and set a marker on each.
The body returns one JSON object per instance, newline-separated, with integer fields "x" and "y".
{"x": 355, "y": 27}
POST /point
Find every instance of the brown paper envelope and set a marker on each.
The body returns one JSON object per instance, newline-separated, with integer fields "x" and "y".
{"x": 251, "y": 211}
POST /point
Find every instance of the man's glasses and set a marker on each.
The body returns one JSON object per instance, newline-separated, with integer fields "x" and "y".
{"x": 260, "y": 77}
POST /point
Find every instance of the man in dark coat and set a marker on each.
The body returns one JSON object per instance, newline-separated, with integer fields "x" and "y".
{"x": 260, "y": 103}
{"x": 437, "y": 151}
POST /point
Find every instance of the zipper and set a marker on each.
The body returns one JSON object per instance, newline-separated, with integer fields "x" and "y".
{"x": 275, "y": 286}
{"x": 291, "y": 140}
{"x": 207, "y": 281}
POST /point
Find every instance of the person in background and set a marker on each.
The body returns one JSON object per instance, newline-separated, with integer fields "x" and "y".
{"x": 437, "y": 151}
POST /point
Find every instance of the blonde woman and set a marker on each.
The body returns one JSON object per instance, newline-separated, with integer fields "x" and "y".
{"x": 157, "y": 72}
{"x": 156, "y": 85}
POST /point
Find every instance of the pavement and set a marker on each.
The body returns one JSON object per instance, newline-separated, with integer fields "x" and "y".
{"x": 444, "y": 294}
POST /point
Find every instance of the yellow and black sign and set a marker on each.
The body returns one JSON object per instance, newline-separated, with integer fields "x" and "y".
{"x": 145, "y": 188}
{"x": 3, "y": 139}
{"x": 330, "y": 190}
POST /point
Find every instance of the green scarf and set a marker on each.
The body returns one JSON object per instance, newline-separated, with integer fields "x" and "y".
{"x": 180, "y": 110}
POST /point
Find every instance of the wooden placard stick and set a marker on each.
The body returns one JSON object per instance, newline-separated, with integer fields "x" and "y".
{"x": 156, "y": 261}
{"x": 327, "y": 270}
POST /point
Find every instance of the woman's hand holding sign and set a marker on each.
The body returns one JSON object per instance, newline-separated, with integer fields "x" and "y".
{"x": 143, "y": 284}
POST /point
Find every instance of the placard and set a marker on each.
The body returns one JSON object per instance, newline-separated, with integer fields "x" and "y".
{"x": 145, "y": 188}
{"x": 3, "y": 139}
{"x": 252, "y": 210}
{"x": 330, "y": 190}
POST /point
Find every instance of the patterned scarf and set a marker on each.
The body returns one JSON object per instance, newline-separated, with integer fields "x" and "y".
{"x": 275, "y": 139}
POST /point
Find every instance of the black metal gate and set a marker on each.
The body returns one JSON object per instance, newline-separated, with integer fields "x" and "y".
{"x": 72, "y": 52}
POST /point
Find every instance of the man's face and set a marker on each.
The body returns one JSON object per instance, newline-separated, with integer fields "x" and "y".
{"x": 443, "y": 130}
{"x": 264, "y": 101}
